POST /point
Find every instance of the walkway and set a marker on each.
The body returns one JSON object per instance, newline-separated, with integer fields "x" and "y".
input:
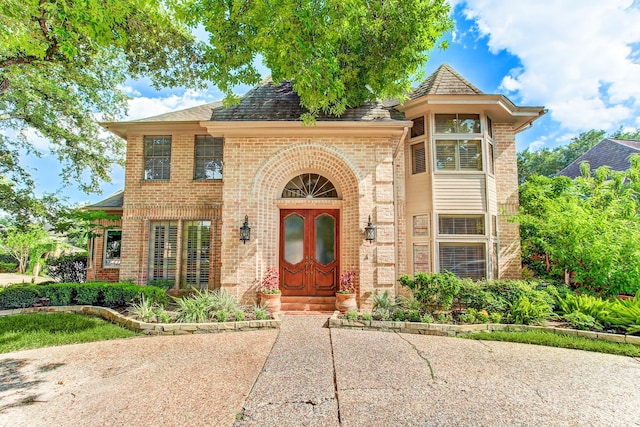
{"x": 308, "y": 375}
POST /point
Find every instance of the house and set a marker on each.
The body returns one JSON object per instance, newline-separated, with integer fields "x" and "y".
{"x": 614, "y": 153}
{"x": 433, "y": 178}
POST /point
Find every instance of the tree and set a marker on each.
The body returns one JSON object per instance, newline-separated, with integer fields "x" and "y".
{"x": 589, "y": 227}
{"x": 62, "y": 64}
{"x": 20, "y": 244}
{"x": 337, "y": 53}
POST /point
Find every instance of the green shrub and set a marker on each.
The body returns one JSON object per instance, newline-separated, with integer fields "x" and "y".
{"x": 239, "y": 315}
{"x": 433, "y": 289}
{"x": 88, "y": 294}
{"x": 427, "y": 318}
{"x": 624, "y": 315}
{"x": 8, "y": 267}
{"x": 495, "y": 317}
{"x": 113, "y": 295}
{"x": 367, "y": 316}
{"x": 382, "y": 301}
{"x": 582, "y": 321}
{"x": 398, "y": 315}
{"x": 260, "y": 312}
{"x": 19, "y": 296}
{"x": 352, "y": 315}
{"x": 482, "y": 316}
{"x": 381, "y": 314}
{"x": 164, "y": 284}
{"x": 222, "y": 316}
{"x": 413, "y": 315}
{"x": 203, "y": 305}
{"x": 59, "y": 293}
{"x": 527, "y": 311}
{"x": 469, "y": 316}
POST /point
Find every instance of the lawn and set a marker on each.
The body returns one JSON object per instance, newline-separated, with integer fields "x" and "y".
{"x": 27, "y": 331}
{"x": 555, "y": 340}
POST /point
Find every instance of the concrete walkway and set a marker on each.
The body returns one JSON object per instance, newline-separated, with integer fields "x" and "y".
{"x": 308, "y": 375}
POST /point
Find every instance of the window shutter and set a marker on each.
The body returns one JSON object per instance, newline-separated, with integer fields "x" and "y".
{"x": 418, "y": 158}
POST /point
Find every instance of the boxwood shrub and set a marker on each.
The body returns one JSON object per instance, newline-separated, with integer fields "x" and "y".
{"x": 93, "y": 293}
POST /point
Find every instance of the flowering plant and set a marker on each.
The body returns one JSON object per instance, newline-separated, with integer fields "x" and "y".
{"x": 270, "y": 282}
{"x": 346, "y": 283}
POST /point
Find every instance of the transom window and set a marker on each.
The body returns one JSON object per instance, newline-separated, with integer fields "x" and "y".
{"x": 457, "y": 123}
{"x": 458, "y": 155}
{"x": 309, "y": 186}
{"x": 157, "y": 157}
{"x": 461, "y": 224}
{"x": 208, "y": 157}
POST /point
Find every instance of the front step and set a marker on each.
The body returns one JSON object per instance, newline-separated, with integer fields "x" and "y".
{"x": 302, "y": 303}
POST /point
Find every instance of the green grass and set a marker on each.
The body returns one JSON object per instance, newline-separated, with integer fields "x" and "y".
{"x": 555, "y": 340}
{"x": 27, "y": 331}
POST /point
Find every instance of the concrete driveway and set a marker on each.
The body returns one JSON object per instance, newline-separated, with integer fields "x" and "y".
{"x": 13, "y": 278}
{"x": 306, "y": 374}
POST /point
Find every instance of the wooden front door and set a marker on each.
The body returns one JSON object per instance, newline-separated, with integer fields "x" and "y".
{"x": 309, "y": 251}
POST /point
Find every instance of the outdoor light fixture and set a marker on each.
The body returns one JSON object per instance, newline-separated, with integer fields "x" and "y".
{"x": 370, "y": 231}
{"x": 245, "y": 230}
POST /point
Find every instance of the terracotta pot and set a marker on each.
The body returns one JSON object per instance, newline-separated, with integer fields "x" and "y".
{"x": 271, "y": 302}
{"x": 346, "y": 302}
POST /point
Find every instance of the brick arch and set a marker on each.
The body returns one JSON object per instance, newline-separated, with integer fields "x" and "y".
{"x": 328, "y": 161}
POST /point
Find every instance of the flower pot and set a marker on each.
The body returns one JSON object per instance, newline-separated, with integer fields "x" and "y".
{"x": 271, "y": 302}
{"x": 346, "y": 302}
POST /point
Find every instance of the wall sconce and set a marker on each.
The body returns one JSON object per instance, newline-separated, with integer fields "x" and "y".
{"x": 370, "y": 231}
{"x": 245, "y": 230}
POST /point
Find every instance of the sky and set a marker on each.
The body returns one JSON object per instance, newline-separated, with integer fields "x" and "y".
{"x": 580, "y": 59}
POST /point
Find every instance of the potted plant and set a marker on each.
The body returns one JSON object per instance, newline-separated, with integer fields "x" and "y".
{"x": 346, "y": 295}
{"x": 270, "y": 290}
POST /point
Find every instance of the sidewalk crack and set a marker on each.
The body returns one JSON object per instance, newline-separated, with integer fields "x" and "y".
{"x": 419, "y": 353}
{"x": 335, "y": 377}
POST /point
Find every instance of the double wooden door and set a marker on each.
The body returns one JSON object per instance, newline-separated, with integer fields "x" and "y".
{"x": 309, "y": 251}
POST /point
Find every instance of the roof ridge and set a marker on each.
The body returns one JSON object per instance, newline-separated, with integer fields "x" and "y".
{"x": 445, "y": 80}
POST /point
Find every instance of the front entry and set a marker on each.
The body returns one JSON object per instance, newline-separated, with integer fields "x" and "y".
{"x": 309, "y": 251}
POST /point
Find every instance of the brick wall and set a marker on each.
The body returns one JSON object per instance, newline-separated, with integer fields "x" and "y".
{"x": 95, "y": 268}
{"x": 507, "y": 192}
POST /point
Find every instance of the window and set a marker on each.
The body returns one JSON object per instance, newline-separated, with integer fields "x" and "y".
{"x": 457, "y": 123}
{"x": 494, "y": 225}
{"x": 459, "y": 155}
{"x": 459, "y": 224}
{"x": 162, "y": 250}
{"x": 418, "y": 127}
{"x": 112, "y": 240}
{"x": 465, "y": 260}
{"x": 309, "y": 186}
{"x": 418, "y": 159}
{"x": 196, "y": 244}
{"x": 492, "y": 164}
{"x": 421, "y": 225}
{"x": 490, "y": 127}
{"x": 208, "y": 157}
{"x": 421, "y": 258}
{"x": 157, "y": 157}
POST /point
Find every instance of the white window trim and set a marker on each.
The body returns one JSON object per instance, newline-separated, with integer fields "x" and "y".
{"x": 467, "y": 242}
{"x": 104, "y": 248}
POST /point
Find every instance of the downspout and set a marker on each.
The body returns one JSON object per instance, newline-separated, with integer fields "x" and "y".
{"x": 395, "y": 202}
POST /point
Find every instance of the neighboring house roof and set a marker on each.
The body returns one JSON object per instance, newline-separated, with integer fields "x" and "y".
{"x": 610, "y": 152}
{"x": 113, "y": 202}
{"x": 445, "y": 81}
{"x": 279, "y": 102}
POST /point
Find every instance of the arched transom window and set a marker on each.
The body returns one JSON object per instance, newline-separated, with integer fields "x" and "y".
{"x": 309, "y": 186}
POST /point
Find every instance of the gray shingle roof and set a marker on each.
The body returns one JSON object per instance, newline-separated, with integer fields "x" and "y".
{"x": 608, "y": 152}
{"x": 112, "y": 202}
{"x": 445, "y": 81}
{"x": 279, "y": 102}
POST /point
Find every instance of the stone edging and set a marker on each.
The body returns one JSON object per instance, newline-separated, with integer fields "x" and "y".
{"x": 455, "y": 330}
{"x": 151, "y": 328}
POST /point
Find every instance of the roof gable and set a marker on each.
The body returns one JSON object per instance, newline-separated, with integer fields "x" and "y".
{"x": 610, "y": 152}
{"x": 113, "y": 202}
{"x": 445, "y": 81}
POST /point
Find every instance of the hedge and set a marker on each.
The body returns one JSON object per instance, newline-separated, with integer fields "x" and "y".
{"x": 92, "y": 293}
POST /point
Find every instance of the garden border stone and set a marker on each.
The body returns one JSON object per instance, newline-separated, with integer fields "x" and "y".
{"x": 445, "y": 329}
{"x": 151, "y": 328}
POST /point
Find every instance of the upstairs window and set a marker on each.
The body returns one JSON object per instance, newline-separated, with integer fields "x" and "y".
{"x": 157, "y": 157}
{"x": 457, "y": 123}
{"x": 458, "y": 155}
{"x": 418, "y": 159}
{"x": 208, "y": 157}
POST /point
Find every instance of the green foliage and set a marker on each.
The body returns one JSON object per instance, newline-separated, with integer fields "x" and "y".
{"x": 589, "y": 227}
{"x": 367, "y": 316}
{"x": 582, "y": 321}
{"x": 95, "y": 293}
{"x": 260, "y": 312}
{"x": 164, "y": 284}
{"x": 202, "y": 306}
{"x": 413, "y": 315}
{"x": 427, "y": 318}
{"x": 438, "y": 289}
{"x": 28, "y": 331}
{"x": 239, "y": 315}
{"x": 8, "y": 267}
{"x": 527, "y": 312}
{"x": 495, "y": 317}
{"x": 555, "y": 340}
{"x": 382, "y": 301}
{"x": 144, "y": 310}
{"x": 352, "y": 315}
{"x": 68, "y": 268}
{"x": 337, "y": 53}
{"x": 20, "y": 243}
{"x": 444, "y": 318}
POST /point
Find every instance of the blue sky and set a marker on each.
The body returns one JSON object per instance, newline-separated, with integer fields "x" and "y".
{"x": 578, "y": 58}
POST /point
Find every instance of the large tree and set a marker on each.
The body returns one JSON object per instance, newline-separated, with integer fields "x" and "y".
{"x": 63, "y": 63}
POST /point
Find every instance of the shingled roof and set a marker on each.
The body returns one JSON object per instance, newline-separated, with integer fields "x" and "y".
{"x": 445, "y": 81}
{"x": 198, "y": 113}
{"x": 610, "y": 152}
{"x": 271, "y": 101}
{"x": 113, "y": 202}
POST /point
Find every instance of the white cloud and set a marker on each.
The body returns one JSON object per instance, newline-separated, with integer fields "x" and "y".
{"x": 142, "y": 106}
{"x": 576, "y": 55}
{"x": 537, "y": 145}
